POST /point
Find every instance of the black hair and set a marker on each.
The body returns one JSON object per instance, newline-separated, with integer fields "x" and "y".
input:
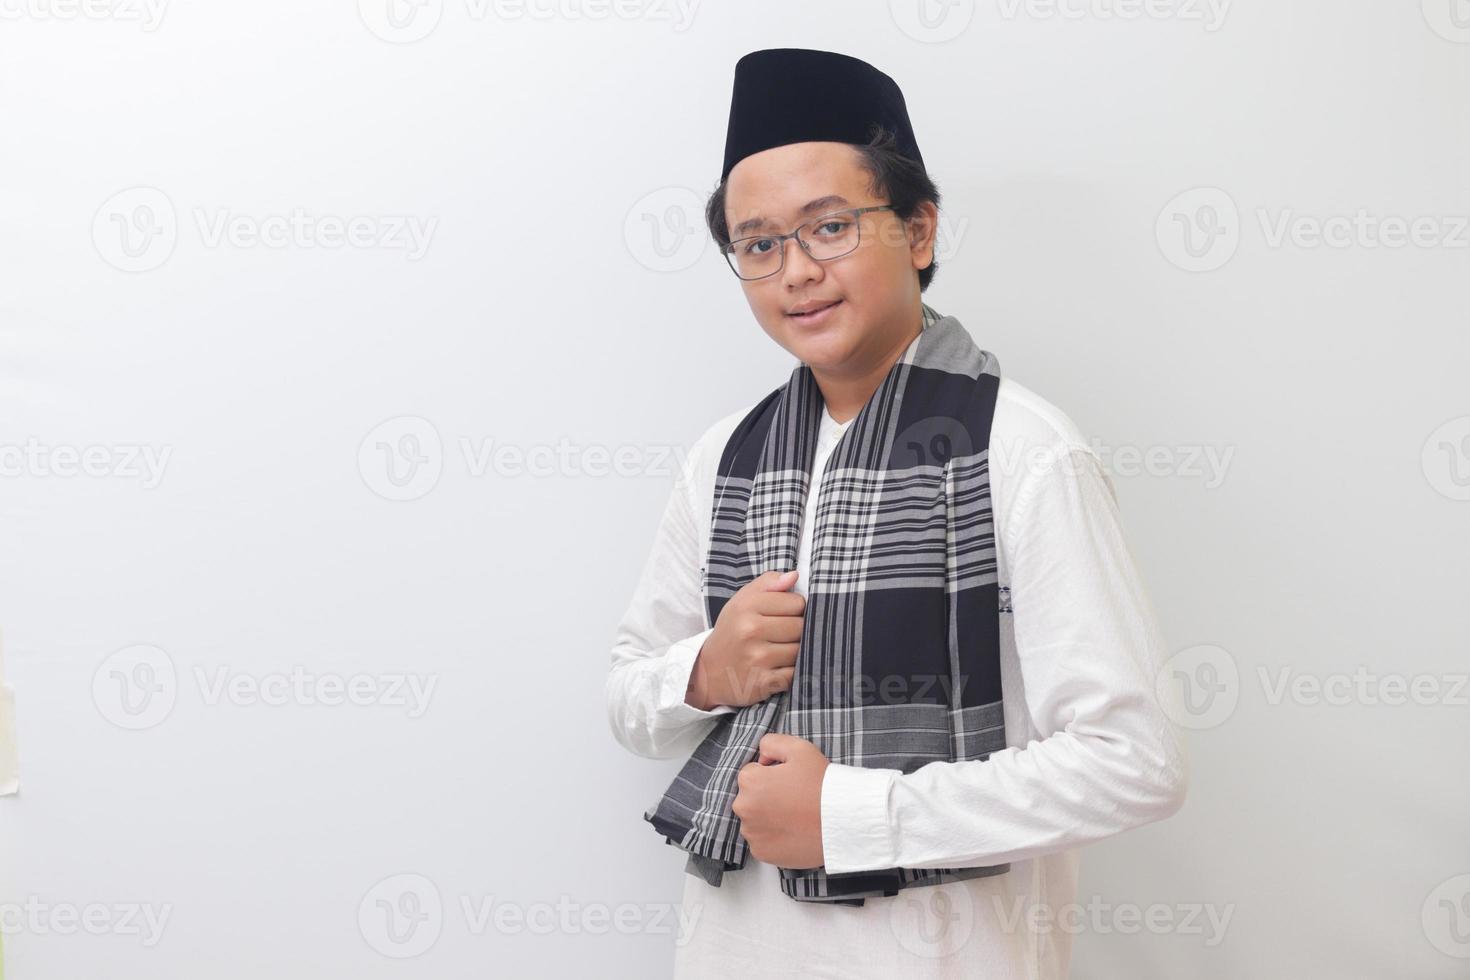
{"x": 903, "y": 181}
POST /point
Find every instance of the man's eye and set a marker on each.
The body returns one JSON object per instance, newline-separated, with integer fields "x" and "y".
{"x": 834, "y": 227}
{"x": 754, "y": 247}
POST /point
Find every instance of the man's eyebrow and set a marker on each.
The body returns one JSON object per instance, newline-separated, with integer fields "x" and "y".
{"x": 811, "y": 207}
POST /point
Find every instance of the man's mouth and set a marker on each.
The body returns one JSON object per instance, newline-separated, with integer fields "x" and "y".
{"x": 817, "y": 313}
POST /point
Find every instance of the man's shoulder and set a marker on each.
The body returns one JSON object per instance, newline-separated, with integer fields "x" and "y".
{"x": 709, "y": 446}
{"x": 1026, "y": 422}
{"x": 718, "y": 432}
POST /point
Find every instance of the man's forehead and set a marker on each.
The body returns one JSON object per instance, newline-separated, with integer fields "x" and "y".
{"x": 759, "y": 219}
{"x": 797, "y": 180}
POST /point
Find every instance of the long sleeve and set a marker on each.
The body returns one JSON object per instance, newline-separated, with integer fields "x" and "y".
{"x": 658, "y": 640}
{"x": 1089, "y": 645}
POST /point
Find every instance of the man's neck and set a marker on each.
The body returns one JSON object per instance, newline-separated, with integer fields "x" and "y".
{"x": 846, "y": 395}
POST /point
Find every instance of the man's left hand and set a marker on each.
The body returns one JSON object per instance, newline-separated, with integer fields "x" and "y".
{"x": 779, "y": 802}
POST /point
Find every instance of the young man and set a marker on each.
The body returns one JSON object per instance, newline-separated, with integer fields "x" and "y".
{"x": 890, "y": 615}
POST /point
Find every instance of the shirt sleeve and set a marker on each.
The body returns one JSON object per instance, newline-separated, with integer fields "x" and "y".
{"x": 658, "y": 640}
{"x": 1089, "y": 646}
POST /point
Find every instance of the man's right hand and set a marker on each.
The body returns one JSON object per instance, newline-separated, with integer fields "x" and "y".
{"x": 751, "y": 654}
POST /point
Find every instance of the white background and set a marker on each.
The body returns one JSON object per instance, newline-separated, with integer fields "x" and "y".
{"x": 554, "y": 158}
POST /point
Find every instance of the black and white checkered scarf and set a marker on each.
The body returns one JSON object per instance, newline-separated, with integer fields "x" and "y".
{"x": 899, "y": 661}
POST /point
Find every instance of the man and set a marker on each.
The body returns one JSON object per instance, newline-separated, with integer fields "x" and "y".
{"x": 925, "y": 861}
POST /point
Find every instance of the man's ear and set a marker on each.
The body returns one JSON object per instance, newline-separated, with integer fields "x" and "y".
{"x": 924, "y": 233}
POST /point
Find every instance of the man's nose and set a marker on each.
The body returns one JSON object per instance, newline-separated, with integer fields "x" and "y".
{"x": 798, "y": 265}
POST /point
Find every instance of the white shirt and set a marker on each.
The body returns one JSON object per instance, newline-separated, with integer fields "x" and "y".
{"x": 1091, "y": 751}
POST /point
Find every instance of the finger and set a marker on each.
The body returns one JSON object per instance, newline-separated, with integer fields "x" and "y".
{"x": 778, "y": 746}
{"x": 775, "y": 656}
{"x": 779, "y": 680}
{"x": 779, "y": 603}
{"x": 779, "y": 629}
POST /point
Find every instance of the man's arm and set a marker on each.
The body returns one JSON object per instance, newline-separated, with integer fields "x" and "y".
{"x": 658, "y": 641}
{"x": 1089, "y": 645}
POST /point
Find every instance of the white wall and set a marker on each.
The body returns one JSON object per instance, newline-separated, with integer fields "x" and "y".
{"x": 531, "y": 154}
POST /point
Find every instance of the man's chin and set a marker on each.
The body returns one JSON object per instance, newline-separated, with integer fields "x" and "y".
{"x": 827, "y": 350}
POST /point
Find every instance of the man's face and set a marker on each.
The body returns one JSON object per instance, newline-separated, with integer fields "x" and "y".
{"x": 875, "y": 287}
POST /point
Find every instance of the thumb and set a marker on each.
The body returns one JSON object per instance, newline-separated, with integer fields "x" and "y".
{"x": 776, "y": 747}
{"x": 782, "y": 581}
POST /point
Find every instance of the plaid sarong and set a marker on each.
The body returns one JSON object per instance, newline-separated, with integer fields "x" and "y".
{"x": 899, "y": 660}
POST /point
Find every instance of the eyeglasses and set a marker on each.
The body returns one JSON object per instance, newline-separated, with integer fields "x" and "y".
{"x": 834, "y": 235}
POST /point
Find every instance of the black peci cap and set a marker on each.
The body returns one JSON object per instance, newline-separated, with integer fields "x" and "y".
{"x": 797, "y": 95}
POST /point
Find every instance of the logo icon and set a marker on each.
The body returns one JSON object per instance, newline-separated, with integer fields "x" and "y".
{"x": 1450, "y": 19}
{"x": 136, "y": 687}
{"x": 1199, "y": 687}
{"x": 401, "y": 916}
{"x": 1446, "y": 458}
{"x": 664, "y": 230}
{"x": 135, "y": 230}
{"x": 401, "y": 21}
{"x": 932, "y": 921}
{"x": 1199, "y": 230}
{"x": 932, "y": 21}
{"x": 402, "y": 458}
{"x": 1446, "y": 917}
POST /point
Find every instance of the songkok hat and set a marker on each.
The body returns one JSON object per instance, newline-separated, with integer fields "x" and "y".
{"x": 797, "y": 95}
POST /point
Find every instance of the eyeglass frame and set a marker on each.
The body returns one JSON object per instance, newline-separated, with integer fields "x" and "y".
{"x": 729, "y": 249}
